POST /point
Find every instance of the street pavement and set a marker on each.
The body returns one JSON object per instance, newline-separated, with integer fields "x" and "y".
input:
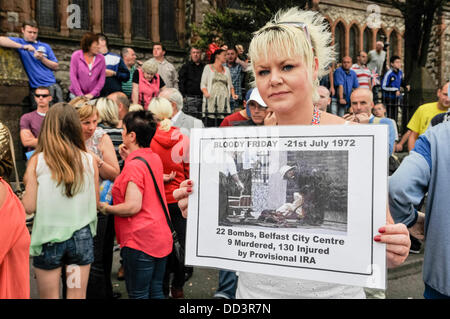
{"x": 404, "y": 282}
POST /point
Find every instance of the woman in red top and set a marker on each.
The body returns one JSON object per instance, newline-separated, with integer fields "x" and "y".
{"x": 14, "y": 246}
{"x": 141, "y": 225}
{"x": 173, "y": 149}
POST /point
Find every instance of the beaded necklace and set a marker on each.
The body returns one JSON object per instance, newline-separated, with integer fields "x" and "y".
{"x": 316, "y": 116}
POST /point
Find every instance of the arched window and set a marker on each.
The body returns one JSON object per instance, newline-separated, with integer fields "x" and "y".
{"x": 111, "y": 21}
{"x": 381, "y": 36}
{"x": 393, "y": 43}
{"x": 167, "y": 29}
{"x": 46, "y": 13}
{"x": 367, "y": 39}
{"x": 354, "y": 42}
{"x": 140, "y": 19}
{"x": 339, "y": 41}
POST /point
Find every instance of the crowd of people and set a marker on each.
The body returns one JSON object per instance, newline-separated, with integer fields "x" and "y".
{"x": 107, "y": 163}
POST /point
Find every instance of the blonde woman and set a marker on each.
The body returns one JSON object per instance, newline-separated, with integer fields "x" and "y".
{"x": 62, "y": 188}
{"x": 288, "y": 55}
{"x": 99, "y": 144}
{"x": 108, "y": 120}
{"x": 173, "y": 149}
{"x": 146, "y": 83}
{"x": 135, "y": 107}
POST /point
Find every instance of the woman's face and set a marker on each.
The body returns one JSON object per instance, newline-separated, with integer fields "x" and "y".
{"x": 148, "y": 76}
{"x": 89, "y": 125}
{"x": 127, "y": 139}
{"x": 94, "y": 49}
{"x": 283, "y": 83}
{"x": 222, "y": 57}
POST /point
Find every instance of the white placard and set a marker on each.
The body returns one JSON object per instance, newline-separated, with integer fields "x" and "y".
{"x": 317, "y": 223}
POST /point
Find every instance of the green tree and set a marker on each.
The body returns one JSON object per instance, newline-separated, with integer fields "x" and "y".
{"x": 419, "y": 20}
{"x": 235, "y": 26}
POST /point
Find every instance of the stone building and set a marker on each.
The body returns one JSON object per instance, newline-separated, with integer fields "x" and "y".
{"x": 134, "y": 23}
{"x": 357, "y": 25}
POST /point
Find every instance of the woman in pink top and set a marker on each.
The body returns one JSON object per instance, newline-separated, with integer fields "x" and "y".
{"x": 141, "y": 226}
{"x": 87, "y": 68}
{"x": 147, "y": 83}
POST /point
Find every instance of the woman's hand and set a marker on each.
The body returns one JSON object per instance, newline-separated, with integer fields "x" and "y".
{"x": 102, "y": 208}
{"x": 181, "y": 195}
{"x": 123, "y": 151}
{"x": 270, "y": 119}
{"x": 396, "y": 238}
{"x": 169, "y": 177}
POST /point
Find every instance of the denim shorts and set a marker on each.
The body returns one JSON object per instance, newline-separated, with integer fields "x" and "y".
{"x": 77, "y": 250}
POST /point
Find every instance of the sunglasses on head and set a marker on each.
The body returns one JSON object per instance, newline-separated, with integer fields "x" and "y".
{"x": 41, "y": 95}
{"x": 302, "y": 26}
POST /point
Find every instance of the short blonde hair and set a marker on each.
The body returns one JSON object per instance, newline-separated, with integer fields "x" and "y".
{"x": 79, "y": 100}
{"x": 86, "y": 110}
{"x": 150, "y": 67}
{"x": 108, "y": 112}
{"x": 135, "y": 107}
{"x": 162, "y": 110}
{"x": 283, "y": 36}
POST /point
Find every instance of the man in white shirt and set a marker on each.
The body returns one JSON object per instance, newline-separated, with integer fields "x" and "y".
{"x": 362, "y": 71}
{"x": 165, "y": 69}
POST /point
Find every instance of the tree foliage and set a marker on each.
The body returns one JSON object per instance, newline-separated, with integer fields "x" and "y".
{"x": 236, "y": 26}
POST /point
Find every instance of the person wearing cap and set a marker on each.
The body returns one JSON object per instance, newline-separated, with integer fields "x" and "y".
{"x": 258, "y": 110}
{"x": 239, "y": 116}
{"x": 313, "y": 183}
{"x": 287, "y": 172}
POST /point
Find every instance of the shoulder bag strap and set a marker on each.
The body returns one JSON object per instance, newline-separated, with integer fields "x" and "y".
{"x": 159, "y": 195}
{"x": 13, "y": 155}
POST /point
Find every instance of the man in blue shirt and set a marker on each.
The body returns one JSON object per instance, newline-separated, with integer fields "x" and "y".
{"x": 392, "y": 82}
{"x": 38, "y": 60}
{"x": 426, "y": 170}
{"x": 116, "y": 70}
{"x": 362, "y": 104}
{"x": 345, "y": 80}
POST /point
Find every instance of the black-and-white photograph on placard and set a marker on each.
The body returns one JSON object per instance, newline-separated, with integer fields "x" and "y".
{"x": 308, "y": 190}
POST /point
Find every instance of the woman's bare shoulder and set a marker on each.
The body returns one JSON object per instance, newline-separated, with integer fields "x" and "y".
{"x": 331, "y": 119}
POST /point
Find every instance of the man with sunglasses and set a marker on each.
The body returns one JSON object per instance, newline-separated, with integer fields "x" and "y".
{"x": 30, "y": 123}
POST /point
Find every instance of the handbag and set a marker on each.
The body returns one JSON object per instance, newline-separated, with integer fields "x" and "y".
{"x": 177, "y": 248}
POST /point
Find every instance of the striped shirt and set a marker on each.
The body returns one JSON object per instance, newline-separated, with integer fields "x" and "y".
{"x": 364, "y": 75}
{"x": 116, "y": 137}
{"x": 127, "y": 86}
